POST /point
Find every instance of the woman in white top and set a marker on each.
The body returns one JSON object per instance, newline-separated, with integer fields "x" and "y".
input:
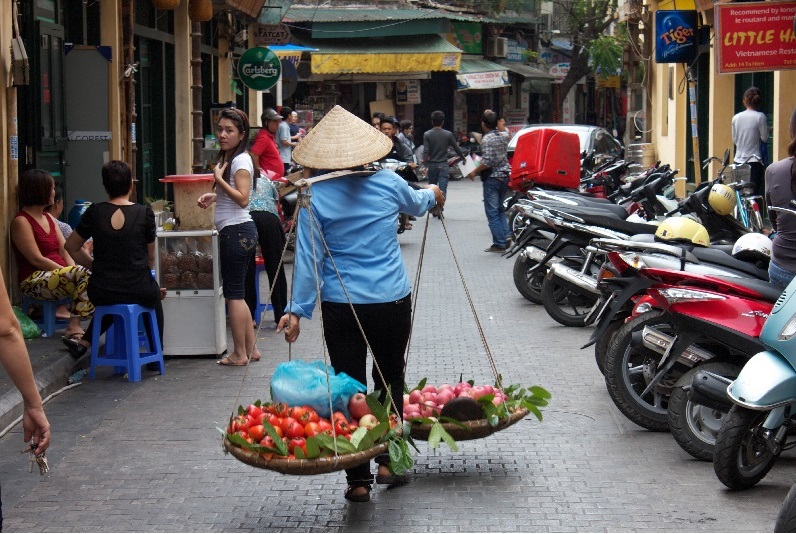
{"x": 749, "y": 130}
{"x": 237, "y": 234}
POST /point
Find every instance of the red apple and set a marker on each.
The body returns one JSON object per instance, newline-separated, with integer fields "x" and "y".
{"x": 415, "y": 396}
{"x": 429, "y": 389}
{"x": 358, "y": 406}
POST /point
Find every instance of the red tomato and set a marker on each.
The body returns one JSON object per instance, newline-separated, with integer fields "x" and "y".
{"x": 286, "y": 422}
{"x": 341, "y": 427}
{"x": 339, "y": 415}
{"x": 274, "y": 420}
{"x": 267, "y": 441}
{"x": 297, "y": 412}
{"x": 253, "y": 410}
{"x": 240, "y": 423}
{"x": 257, "y": 432}
{"x": 312, "y": 415}
{"x": 281, "y": 409}
{"x": 311, "y": 429}
{"x": 301, "y": 443}
{"x": 324, "y": 424}
{"x": 279, "y": 431}
{"x": 294, "y": 430}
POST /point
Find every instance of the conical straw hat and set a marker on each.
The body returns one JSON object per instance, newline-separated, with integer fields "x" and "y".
{"x": 341, "y": 140}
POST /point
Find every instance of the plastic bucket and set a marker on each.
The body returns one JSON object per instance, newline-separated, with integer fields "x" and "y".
{"x": 187, "y": 190}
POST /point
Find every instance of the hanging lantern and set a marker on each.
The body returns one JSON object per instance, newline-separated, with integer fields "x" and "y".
{"x": 166, "y": 4}
{"x": 200, "y": 10}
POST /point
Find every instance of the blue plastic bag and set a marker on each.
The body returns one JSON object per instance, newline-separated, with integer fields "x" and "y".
{"x": 300, "y": 383}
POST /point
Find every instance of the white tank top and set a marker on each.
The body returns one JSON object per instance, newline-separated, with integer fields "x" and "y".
{"x": 227, "y": 211}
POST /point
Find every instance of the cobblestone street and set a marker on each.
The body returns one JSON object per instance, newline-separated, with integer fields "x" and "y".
{"x": 147, "y": 456}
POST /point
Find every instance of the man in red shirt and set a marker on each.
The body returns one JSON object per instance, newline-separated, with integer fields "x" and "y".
{"x": 264, "y": 147}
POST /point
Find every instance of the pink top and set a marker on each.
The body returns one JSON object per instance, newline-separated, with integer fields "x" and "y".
{"x": 48, "y": 244}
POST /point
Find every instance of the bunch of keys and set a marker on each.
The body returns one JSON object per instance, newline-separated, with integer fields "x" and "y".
{"x": 38, "y": 459}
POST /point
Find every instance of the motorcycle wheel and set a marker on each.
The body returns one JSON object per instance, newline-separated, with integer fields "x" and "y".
{"x": 565, "y": 305}
{"x": 528, "y": 284}
{"x": 601, "y": 345}
{"x": 516, "y": 223}
{"x": 629, "y": 369}
{"x": 786, "y": 519}
{"x": 694, "y": 426}
{"x": 742, "y": 458}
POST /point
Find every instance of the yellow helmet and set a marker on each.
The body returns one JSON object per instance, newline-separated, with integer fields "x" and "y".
{"x": 683, "y": 230}
{"x": 722, "y": 199}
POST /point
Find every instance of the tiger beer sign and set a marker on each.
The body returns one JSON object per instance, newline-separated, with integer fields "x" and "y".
{"x": 755, "y": 36}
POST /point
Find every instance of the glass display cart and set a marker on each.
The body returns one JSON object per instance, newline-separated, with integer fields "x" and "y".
{"x": 186, "y": 264}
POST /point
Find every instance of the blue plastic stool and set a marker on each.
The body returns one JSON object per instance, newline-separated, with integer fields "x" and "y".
{"x": 123, "y": 348}
{"x": 259, "y": 267}
{"x": 48, "y": 320}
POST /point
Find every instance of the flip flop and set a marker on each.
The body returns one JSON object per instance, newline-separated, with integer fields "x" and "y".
{"x": 229, "y": 363}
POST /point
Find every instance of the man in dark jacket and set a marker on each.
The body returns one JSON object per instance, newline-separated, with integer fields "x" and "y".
{"x": 436, "y": 142}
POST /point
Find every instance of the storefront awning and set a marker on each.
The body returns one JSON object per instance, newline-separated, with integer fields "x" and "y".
{"x": 383, "y": 55}
{"x": 481, "y": 74}
{"x": 527, "y": 71}
{"x": 291, "y": 52}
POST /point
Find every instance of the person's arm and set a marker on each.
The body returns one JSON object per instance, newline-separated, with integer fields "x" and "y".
{"x": 22, "y": 236}
{"x": 74, "y": 246}
{"x": 240, "y": 193}
{"x": 426, "y": 147}
{"x": 15, "y": 360}
{"x": 284, "y": 136}
{"x": 68, "y": 258}
{"x": 763, "y": 125}
{"x": 456, "y": 148}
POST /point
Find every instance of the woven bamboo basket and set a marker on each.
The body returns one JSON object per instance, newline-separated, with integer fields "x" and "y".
{"x": 315, "y": 466}
{"x": 472, "y": 429}
{"x": 200, "y": 10}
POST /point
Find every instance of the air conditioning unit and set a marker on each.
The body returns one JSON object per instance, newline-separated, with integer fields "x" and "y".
{"x": 497, "y": 47}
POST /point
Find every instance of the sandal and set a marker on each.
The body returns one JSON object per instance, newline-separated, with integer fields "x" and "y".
{"x": 383, "y": 476}
{"x": 227, "y": 362}
{"x": 76, "y": 349}
{"x": 357, "y": 492}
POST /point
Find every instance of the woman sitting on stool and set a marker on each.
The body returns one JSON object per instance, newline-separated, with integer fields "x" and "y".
{"x": 124, "y": 252}
{"x": 46, "y": 271}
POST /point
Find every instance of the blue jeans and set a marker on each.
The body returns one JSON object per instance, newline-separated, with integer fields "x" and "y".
{"x": 494, "y": 191}
{"x": 778, "y": 276}
{"x": 236, "y": 246}
{"x": 439, "y": 176}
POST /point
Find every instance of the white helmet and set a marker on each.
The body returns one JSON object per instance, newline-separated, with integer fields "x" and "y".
{"x": 752, "y": 247}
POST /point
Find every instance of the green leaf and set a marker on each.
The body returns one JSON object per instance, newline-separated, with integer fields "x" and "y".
{"x": 313, "y": 449}
{"x": 376, "y": 408}
{"x": 400, "y": 458}
{"x": 241, "y": 410}
{"x": 344, "y": 446}
{"x": 281, "y": 447}
{"x": 493, "y": 420}
{"x": 299, "y": 454}
{"x": 437, "y": 434}
{"x": 357, "y": 436}
{"x": 374, "y": 435}
{"x": 539, "y": 391}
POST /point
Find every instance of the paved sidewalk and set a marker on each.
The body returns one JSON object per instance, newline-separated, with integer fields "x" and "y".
{"x": 147, "y": 456}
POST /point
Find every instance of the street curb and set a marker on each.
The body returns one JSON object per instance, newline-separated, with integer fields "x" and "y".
{"x": 48, "y": 380}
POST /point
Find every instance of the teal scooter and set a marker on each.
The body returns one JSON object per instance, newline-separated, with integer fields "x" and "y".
{"x": 755, "y": 430}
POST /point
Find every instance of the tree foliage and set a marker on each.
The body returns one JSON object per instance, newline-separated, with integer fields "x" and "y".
{"x": 587, "y": 21}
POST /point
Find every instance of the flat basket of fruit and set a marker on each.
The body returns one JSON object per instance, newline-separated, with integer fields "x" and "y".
{"x": 465, "y": 411}
{"x": 297, "y": 441}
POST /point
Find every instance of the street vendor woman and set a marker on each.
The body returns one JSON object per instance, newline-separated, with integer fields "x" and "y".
{"x": 356, "y": 215}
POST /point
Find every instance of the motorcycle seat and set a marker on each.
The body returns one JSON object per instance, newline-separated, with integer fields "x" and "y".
{"x": 766, "y": 290}
{"x": 719, "y": 257}
{"x": 587, "y": 207}
{"x": 617, "y": 225}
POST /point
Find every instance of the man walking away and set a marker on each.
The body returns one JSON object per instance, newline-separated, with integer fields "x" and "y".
{"x": 435, "y": 151}
{"x": 494, "y": 168}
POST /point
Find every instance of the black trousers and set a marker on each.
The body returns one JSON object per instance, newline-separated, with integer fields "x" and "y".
{"x": 758, "y": 176}
{"x": 386, "y": 327}
{"x": 271, "y": 237}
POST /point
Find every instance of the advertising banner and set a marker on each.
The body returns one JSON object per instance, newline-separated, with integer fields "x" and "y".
{"x": 259, "y": 68}
{"x": 755, "y": 36}
{"x": 676, "y": 36}
{"x": 482, "y": 80}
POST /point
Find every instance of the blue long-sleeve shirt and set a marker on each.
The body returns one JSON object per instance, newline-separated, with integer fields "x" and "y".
{"x": 357, "y": 216}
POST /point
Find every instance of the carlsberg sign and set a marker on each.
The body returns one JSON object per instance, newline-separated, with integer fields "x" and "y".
{"x": 259, "y": 68}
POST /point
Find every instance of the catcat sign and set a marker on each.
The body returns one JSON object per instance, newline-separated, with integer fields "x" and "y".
{"x": 755, "y": 36}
